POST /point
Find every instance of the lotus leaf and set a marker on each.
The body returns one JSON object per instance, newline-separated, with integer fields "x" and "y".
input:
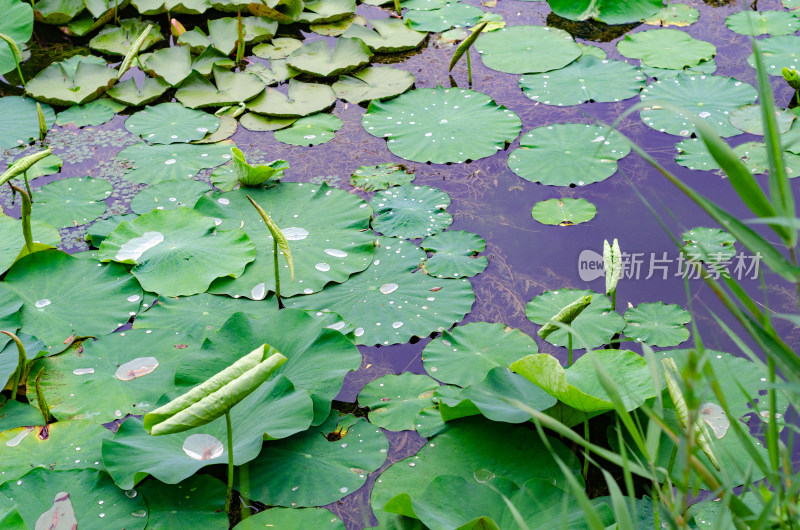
{"x": 779, "y": 53}
{"x": 17, "y": 24}
{"x": 211, "y": 57}
{"x": 227, "y": 177}
{"x": 394, "y": 401}
{"x": 587, "y": 79}
{"x": 465, "y": 355}
{"x": 223, "y": 33}
{"x": 389, "y": 303}
{"x": 275, "y": 408}
{"x": 711, "y": 98}
{"x": 64, "y": 446}
{"x": 14, "y": 414}
{"x": 155, "y": 7}
{"x": 117, "y": 40}
{"x": 693, "y": 153}
{"x": 569, "y": 153}
{"x": 284, "y": 11}
{"x": 278, "y": 72}
{"x": 709, "y": 244}
{"x": 200, "y": 498}
{"x": 318, "y": 60}
{"x": 169, "y": 195}
{"x": 410, "y": 211}
{"x": 748, "y": 119}
{"x": 278, "y": 48}
{"x": 10, "y": 305}
{"x": 438, "y": 125}
{"x": 527, "y": 49}
{"x": 425, "y": 5}
{"x": 335, "y": 29}
{"x": 454, "y": 254}
{"x": 57, "y": 12}
{"x": 666, "y": 48}
{"x": 178, "y": 252}
{"x": 95, "y": 112}
{"x": 71, "y": 202}
{"x": 129, "y": 93}
{"x": 657, "y": 324}
{"x": 564, "y": 212}
{"x": 324, "y": 226}
{"x": 755, "y": 157}
{"x": 12, "y": 242}
{"x": 763, "y": 23}
{"x": 705, "y": 67}
{"x": 579, "y": 385}
{"x": 593, "y": 327}
{"x": 132, "y": 369}
{"x": 74, "y": 81}
{"x": 170, "y": 123}
{"x": 311, "y": 130}
{"x": 285, "y": 475}
{"x": 388, "y": 36}
{"x": 291, "y": 518}
{"x": 452, "y": 14}
{"x": 375, "y": 82}
{"x": 678, "y": 15}
{"x": 19, "y": 121}
{"x": 303, "y": 99}
{"x": 380, "y": 177}
{"x": 230, "y": 89}
{"x": 256, "y": 122}
{"x": 608, "y": 11}
{"x": 159, "y": 163}
{"x": 172, "y": 64}
{"x": 99, "y": 230}
{"x": 324, "y": 11}
{"x": 40, "y": 496}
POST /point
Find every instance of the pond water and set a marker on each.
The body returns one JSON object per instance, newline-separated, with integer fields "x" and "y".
{"x": 525, "y": 257}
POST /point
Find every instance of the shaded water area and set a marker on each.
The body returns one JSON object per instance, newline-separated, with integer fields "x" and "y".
{"x": 525, "y": 257}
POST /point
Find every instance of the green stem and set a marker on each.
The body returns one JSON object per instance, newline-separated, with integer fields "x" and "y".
{"x": 27, "y": 185}
{"x": 614, "y": 300}
{"x": 469, "y": 69}
{"x": 277, "y": 271}
{"x": 672, "y": 458}
{"x": 229, "y": 494}
{"x": 586, "y": 453}
{"x": 20, "y": 363}
{"x": 569, "y": 345}
{"x": 772, "y": 430}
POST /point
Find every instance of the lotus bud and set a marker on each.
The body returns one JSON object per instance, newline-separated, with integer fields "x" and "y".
{"x": 176, "y": 28}
{"x": 612, "y": 262}
{"x": 565, "y": 316}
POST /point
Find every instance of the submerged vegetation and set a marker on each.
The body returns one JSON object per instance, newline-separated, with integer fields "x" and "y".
{"x": 165, "y": 215}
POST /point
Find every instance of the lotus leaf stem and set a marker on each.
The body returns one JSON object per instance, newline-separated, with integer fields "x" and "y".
{"x": 20, "y": 363}
{"x": 229, "y": 493}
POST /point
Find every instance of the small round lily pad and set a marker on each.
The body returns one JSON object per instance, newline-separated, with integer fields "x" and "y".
{"x": 657, "y": 324}
{"x": 410, "y": 211}
{"x": 666, "y": 48}
{"x": 71, "y": 202}
{"x": 169, "y": 195}
{"x": 380, "y": 177}
{"x": 678, "y": 15}
{"x": 395, "y": 401}
{"x": 454, "y": 254}
{"x": 763, "y": 23}
{"x": 709, "y": 244}
{"x": 564, "y": 212}
{"x": 748, "y": 119}
{"x": 170, "y": 123}
{"x": 310, "y": 130}
{"x": 693, "y": 153}
{"x": 779, "y": 52}
{"x": 519, "y": 49}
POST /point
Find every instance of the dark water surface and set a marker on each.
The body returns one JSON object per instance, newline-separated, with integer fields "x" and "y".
{"x": 525, "y": 257}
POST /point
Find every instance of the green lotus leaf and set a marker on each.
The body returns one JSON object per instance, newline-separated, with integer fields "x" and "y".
{"x": 169, "y": 195}
{"x": 410, "y": 211}
{"x": 666, "y": 48}
{"x": 709, "y": 244}
{"x": 95, "y": 112}
{"x": 608, "y": 11}
{"x": 693, "y": 153}
{"x": 98, "y": 8}
{"x": 172, "y": 64}
{"x": 99, "y": 230}
{"x": 19, "y": 121}
{"x": 438, "y": 125}
{"x": 277, "y": 48}
{"x": 177, "y": 252}
{"x": 380, "y": 177}
{"x": 711, "y": 98}
{"x": 389, "y": 303}
{"x": 587, "y": 79}
{"x": 277, "y": 72}
{"x": 337, "y": 28}
{"x": 291, "y": 518}
{"x": 450, "y": 15}
{"x": 155, "y": 7}
{"x": 132, "y": 369}
{"x": 748, "y": 119}
{"x": 454, "y": 254}
{"x": 593, "y": 327}
{"x": 779, "y": 53}
{"x": 74, "y": 81}
{"x": 375, "y": 82}
{"x": 679, "y": 15}
{"x": 568, "y": 153}
{"x": 15, "y": 414}
{"x": 61, "y": 294}
{"x": 223, "y": 33}
{"x": 756, "y": 158}
{"x": 200, "y": 498}
{"x": 394, "y": 401}
{"x": 319, "y": 357}
{"x": 303, "y": 99}
{"x": 465, "y": 355}
{"x": 579, "y": 385}
{"x": 71, "y": 202}
{"x": 318, "y": 60}
{"x": 57, "y": 12}
{"x": 527, "y": 49}
{"x": 211, "y": 57}
{"x": 159, "y": 163}
{"x": 241, "y": 173}
{"x": 275, "y": 409}
{"x": 471, "y": 447}
{"x": 170, "y": 123}
{"x": 10, "y": 305}
{"x": 324, "y": 11}
{"x": 12, "y": 242}
{"x": 763, "y": 23}
{"x": 310, "y": 131}
{"x": 66, "y": 445}
{"x": 40, "y": 496}
{"x": 657, "y": 324}
{"x": 318, "y": 466}
{"x": 117, "y": 40}
{"x": 705, "y": 67}
{"x": 389, "y": 35}
{"x": 17, "y": 24}
{"x": 97, "y": 14}
{"x": 425, "y": 5}
{"x": 230, "y": 89}
{"x": 564, "y": 212}
{"x": 325, "y": 228}
{"x": 129, "y": 93}
{"x": 284, "y": 11}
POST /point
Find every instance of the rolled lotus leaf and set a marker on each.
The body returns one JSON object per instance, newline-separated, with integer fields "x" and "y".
{"x": 252, "y": 176}
{"x": 565, "y": 316}
{"x": 213, "y": 398}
